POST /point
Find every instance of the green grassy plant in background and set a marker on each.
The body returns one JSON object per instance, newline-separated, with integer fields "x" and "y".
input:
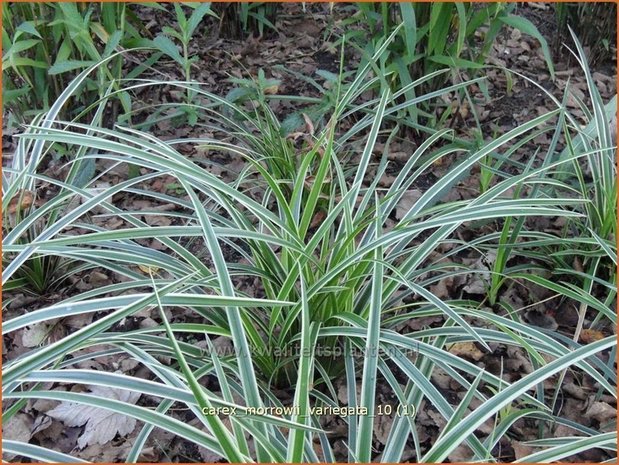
{"x": 22, "y": 220}
{"x": 591, "y": 22}
{"x": 585, "y": 256}
{"x": 183, "y": 33}
{"x": 432, "y": 37}
{"x": 239, "y": 20}
{"x": 44, "y": 44}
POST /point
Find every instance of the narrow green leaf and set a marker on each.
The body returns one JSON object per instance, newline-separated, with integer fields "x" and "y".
{"x": 527, "y": 27}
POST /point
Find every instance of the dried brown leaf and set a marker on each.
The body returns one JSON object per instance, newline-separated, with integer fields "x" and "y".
{"x": 587, "y": 336}
{"x": 466, "y": 350}
{"x": 22, "y": 200}
{"x": 101, "y": 425}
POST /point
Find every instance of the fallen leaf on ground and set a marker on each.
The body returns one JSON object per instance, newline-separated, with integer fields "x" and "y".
{"x": 461, "y": 454}
{"x": 574, "y": 390}
{"x": 148, "y": 269}
{"x": 603, "y": 413}
{"x": 18, "y": 428}
{"x": 22, "y": 200}
{"x": 101, "y": 425}
{"x": 467, "y": 350}
{"x": 406, "y": 202}
{"x": 157, "y": 220}
{"x": 34, "y": 335}
{"x": 521, "y": 450}
{"x": 319, "y": 217}
{"x": 588, "y": 336}
{"x": 543, "y": 320}
{"x": 479, "y": 281}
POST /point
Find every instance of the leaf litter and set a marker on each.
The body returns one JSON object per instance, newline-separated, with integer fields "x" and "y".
{"x": 101, "y": 425}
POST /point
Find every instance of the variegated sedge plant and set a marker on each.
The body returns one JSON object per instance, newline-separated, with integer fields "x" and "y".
{"x": 579, "y": 267}
{"x": 339, "y": 283}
